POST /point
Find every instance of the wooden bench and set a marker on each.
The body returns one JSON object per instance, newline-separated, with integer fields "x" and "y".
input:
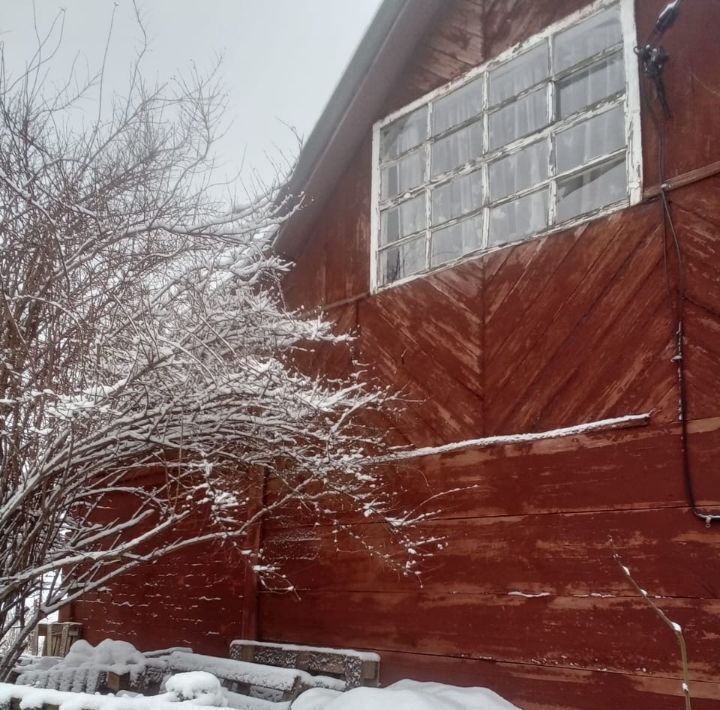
{"x": 353, "y": 668}
{"x": 272, "y": 673}
{"x": 254, "y": 679}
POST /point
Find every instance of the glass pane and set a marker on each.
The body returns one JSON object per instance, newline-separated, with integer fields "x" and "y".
{"x": 457, "y": 149}
{"x": 452, "y": 242}
{"x": 402, "y": 261}
{"x": 519, "y": 171}
{"x": 404, "y": 134}
{"x": 587, "y": 38}
{"x": 519, "y": 118}
{"x": 590, "y": 139}
{"x": 519, "y": 74}
{"x": 403, "y": 175}
{"x": 458, "y": 107}
{"x": 398, "y": 222}
{"x": 592, "y": 189}
{"x": 457, "y": 197}
{"x": 585, "y": 87}
{"x": 519, "y": 218}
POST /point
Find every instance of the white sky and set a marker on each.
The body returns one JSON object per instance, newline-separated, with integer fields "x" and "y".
{"x": 281, "y": 58}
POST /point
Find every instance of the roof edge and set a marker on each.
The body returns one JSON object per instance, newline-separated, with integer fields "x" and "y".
{"x": 352, "y": 109}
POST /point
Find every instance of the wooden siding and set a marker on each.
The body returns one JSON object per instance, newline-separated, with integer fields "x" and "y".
{"x": 555, "y": 331}
{"x": 195, "y": 597}
{"x": 573, "y": 327}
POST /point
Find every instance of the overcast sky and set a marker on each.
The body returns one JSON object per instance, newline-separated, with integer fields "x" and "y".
{"x": 281, "y": 58}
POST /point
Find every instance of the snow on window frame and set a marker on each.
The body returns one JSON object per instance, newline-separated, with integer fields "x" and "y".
{"x": 631, "y": 152}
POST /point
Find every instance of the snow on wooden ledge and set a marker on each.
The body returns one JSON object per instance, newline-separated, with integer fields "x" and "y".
{"x": 626, "y": 422}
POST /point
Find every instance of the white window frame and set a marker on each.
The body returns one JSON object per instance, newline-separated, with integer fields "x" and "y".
{"x": 633, "y": 148}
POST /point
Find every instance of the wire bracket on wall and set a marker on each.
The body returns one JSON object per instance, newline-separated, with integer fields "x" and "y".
{"x": 653, "y": 58}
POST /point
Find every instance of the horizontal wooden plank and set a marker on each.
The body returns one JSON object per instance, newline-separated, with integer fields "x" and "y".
{"x": 615, "y": 470}
{"x": 557, "y": 554}
{"x": 533, "y": 687}
{"x": 594, "y": 633}
{"x": 147, "y": 633}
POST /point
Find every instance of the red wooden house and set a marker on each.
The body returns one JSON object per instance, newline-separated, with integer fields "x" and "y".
{"x": 496, "y": 200}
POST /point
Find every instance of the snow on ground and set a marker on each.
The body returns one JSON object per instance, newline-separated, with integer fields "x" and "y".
{"x": 36, "y": 697}
{"x": 198, "y": 687}
{"x": 404, "y": 695}
{"x": 201, "y": 691}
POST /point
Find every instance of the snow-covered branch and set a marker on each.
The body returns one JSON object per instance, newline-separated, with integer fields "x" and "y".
{"x": 145, "y": 353}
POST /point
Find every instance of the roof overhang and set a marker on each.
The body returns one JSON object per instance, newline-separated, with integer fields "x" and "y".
{"x": 352, "y": 109}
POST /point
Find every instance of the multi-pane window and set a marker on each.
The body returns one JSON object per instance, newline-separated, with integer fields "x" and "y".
{"x": 536, "y": 139}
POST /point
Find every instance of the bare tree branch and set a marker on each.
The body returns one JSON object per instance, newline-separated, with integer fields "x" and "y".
{"x": 145, "y": 352}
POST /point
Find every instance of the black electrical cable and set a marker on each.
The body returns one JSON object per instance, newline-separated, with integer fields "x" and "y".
{"x": 653, "y": 59}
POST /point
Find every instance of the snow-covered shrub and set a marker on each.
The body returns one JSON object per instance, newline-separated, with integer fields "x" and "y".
{"x": 142, "y": 330}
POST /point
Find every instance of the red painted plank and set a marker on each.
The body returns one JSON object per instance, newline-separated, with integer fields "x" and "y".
{"x": 535, "y": 687}
{"x": 557, "y": 554}
{"x": 619, "y": 635}
{"x": 618, "y": 470}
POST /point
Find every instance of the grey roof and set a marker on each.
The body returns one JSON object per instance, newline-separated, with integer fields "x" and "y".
{"x": 353, "y": 107}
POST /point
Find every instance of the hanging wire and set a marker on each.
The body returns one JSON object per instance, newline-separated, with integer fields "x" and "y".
{"x": 653, "y": 59}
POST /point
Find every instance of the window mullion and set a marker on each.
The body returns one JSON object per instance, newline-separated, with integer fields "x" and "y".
{"x": 552, "y": 108}
{"x": 485, "y": 241}
{"x": 552, "y": 197}
{"x": 428, "y": 191}
{"x": 485, "y": 102}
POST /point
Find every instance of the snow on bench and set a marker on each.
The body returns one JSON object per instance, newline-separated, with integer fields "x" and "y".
{"x": 275, "y": 673}
{"x": 352, "y": 668}
{"x": 257, "y": 679}
{"x": 110, "y": 666}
